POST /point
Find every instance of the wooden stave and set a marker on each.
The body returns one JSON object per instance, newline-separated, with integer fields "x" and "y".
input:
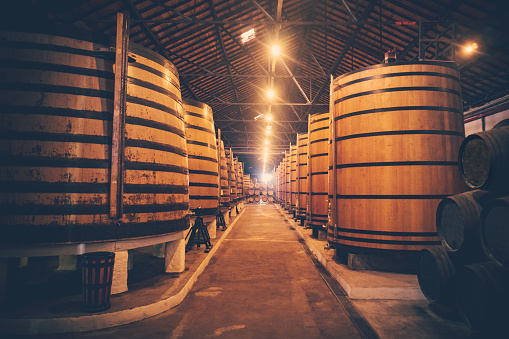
{"x": 384, "y": 237}
{"x": 88, "y": 78}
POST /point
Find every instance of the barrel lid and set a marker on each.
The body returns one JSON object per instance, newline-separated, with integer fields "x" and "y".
{"x": 449, "y": 64}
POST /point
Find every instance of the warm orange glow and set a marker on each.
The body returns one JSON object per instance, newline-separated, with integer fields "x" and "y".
{"x": 270, "y": 93}
{"x": 468, "y": 49}
{"x": 268, "y": 117}
{"x": 275, "y": 49}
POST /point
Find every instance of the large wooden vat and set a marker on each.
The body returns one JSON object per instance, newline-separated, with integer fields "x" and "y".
{"x": 202, "y": 155}
{"x": 240, "y": 180}
{"x": 318, "y": 157}
{"x": 293, "y": 177}
{"x": 246, "y": 184}
{"x": 57, "y": 106}
{"x": 288, "y": 189}
{"x": 398, "y": 130}
{"x": 233, "y": 178}
{"x": 302, "y": 174}
{"x": 225, "y": 187}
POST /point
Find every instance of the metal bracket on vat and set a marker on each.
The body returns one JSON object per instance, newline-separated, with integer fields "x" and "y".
{"x": 119, "y": 108}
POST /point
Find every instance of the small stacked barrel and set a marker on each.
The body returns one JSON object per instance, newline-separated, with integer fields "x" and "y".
{"x": 470, "y": 271}
{"x": 270, "y": 192}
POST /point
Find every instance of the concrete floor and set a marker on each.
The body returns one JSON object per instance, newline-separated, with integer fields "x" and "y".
{"x": 261, "y": 283}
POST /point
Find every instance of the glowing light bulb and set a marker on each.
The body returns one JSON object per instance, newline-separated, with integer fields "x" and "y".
{"x": 275, "y": 49}
{"x": 270, "y": 93}
{"x": 268, "y": 117}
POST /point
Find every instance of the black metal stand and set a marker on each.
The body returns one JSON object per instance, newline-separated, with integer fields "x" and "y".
{"x": 220, "y": 221}
{"x": 199, "y": 235}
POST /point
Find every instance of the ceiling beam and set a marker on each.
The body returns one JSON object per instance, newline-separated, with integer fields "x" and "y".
{"x": 224, "y": 75}
{"x": 441, "y": 17}
{"x": 339, "y": 59}
{"x": 228, "y": 64}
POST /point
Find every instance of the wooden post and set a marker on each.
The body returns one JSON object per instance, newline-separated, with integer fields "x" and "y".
{"x": 218, "y": 142}
{"x": 119, "y": 108}
{"x": 310, "y": 171}
{"x": 334, "y": 178}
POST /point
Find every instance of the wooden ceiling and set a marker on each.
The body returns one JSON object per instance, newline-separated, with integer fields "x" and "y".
{"x": 318, "y": 38}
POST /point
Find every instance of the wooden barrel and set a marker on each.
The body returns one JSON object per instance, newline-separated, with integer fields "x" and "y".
{"x": 257, "y": 192}
{"x": 302, "y": 174}
{"x": 494, "y": 231}
{"x": 257, "y": 185}
{"x": 250, "y": 199}
{"x": 482, "y": 296}
{"x": 436, "y": 273}
{"x": 270, "y": 193}
{"x": 225, "y": 188}
{"x": 270, "y": 186}
{"x": 264, "y": 186}
{"x": 57, "y": 106}
{"x": 202, "y": 154}
{"x": 270, "y": 198}
{"x": 257, "y": 198}
{"x": 251, "y": 192}
{"x": 398, "y": 130}
{"x": 96, "y": 279}
{"x": 264, "y": 192}
{"x": 457, "y": 223}
{"x": 264, "y": 198}
{"x": 293, "y": 177}
{"x": 318, "y": 157}
{"x": 484, "y": 159}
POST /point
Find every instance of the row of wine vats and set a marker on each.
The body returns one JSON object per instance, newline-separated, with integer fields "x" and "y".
{"x": 378, "y": 175}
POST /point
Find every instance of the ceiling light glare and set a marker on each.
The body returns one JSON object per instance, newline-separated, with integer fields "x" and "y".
{"x": 270, "y": 93}
{"x": 247, "y": 36}
{"x": 275, "y": 50}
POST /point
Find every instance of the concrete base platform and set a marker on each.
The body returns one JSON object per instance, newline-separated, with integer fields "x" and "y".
{"x": 150, "y": 293}
{"x": 361, "y": 284}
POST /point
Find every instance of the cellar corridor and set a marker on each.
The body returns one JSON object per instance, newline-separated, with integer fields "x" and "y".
{"x": 263, "y": 282}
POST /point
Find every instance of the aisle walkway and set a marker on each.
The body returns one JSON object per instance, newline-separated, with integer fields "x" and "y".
{"x": 260, "y": 284}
